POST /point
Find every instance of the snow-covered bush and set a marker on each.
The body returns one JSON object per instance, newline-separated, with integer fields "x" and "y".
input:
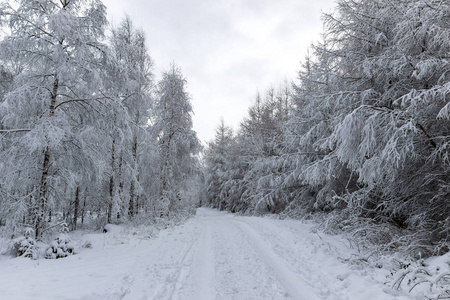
{"x": 61, "y": 246}
{"x": 429, "y": 279}
{"x": 25, "y": 246}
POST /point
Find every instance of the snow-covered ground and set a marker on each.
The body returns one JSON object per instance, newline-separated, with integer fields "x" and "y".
{"x": 211, "y": 256}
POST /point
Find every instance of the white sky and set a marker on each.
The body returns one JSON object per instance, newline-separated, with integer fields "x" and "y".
{"x": 227, "y": 49}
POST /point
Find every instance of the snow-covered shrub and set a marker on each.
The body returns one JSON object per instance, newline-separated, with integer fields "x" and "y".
{"x": 428, "y": 279}
{"x": 61, "y": 246}
{"x": 25, "y": 246}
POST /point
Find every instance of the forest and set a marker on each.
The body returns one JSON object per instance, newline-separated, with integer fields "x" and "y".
{"x": 359, "y": 142}
{"x": 86, "y": 132}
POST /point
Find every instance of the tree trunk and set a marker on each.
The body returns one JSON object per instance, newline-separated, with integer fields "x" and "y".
{"x": 131, "y": 204}
{"x": 131, "y": 207}
{"x": 44, "y": 178}
{"x": 43, "y": 193}
{"x": 111, "y": 182}
{"x": 83, "y": 210}
{"x": 136, "y": 209}
{"x": 111, "y": 196}
{"x": 75, "y": 209}
{"x": 30, "y": 211}
{"x": 164, "y": 183}
{"x": 120, "y": 182}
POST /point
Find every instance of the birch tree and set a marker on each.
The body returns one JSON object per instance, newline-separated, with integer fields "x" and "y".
{"x": 130, "y": 50}
{"x": 57, "y": 45}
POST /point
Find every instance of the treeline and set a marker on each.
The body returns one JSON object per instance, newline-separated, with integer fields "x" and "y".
{"x": 362, "y": 137}
{"x": 84, "y": 127}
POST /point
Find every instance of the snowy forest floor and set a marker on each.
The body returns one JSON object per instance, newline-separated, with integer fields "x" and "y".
{"x": 214, "y": 255}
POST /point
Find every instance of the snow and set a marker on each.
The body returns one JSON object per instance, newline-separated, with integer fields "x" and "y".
{"x": 211, "y": 256}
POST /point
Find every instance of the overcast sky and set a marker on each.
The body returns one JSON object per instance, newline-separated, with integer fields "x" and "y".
{"x": 227, "y": 49}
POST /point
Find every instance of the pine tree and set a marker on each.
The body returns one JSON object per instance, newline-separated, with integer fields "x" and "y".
{"x": 217, "y": 163}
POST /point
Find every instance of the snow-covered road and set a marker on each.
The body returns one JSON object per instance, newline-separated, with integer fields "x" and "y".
{"x": 212, "y": 256}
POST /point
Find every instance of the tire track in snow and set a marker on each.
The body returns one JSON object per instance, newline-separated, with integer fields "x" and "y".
{"x": 185, "y": 263}
{"x": 196, "y": 276}
{"x": 240, "y": 270}
{"x": 297, "y": 288}
{"x": 135, "y": 283}
{"x": 205, "y": 274}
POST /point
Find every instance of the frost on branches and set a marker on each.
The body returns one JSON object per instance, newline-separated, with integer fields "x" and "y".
{"x": 25, "y": 246}
{"x": 366, "y": 139}
{"x": 80, "y": 126}
{"x": 53, "y": 52}
{"x": 177, "y": 142}
{"x": 61, "y": 246}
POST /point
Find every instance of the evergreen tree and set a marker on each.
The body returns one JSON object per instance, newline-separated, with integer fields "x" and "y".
{"x": 217, "y": 163}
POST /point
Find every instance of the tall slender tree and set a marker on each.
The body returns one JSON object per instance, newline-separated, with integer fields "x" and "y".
{"x": 130, "y": 50}
{"x": 178, "y": 143}
{"x": 217, "y": 164}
